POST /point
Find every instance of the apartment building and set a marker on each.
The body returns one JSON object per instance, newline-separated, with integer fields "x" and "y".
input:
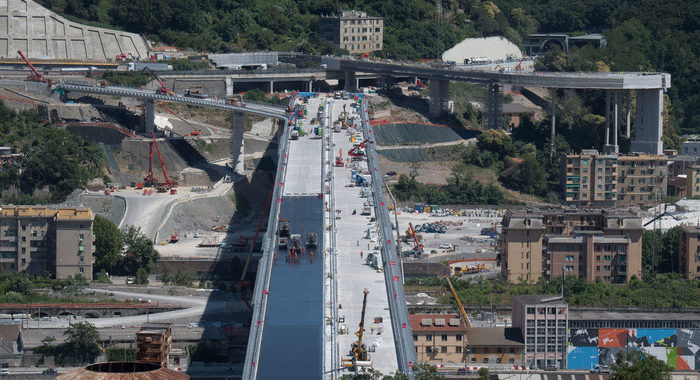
{"x": 34, "y": 239}
{"x": 692, "y": 181}
{"x": 154, "y": 343}
{"x": 689, "y": 252}
{"x": 444, "y": 338}
{"x": 354, "y": 31}
{"x": 592, "y": 244}
{"x": 605, "y": 180}
{"x": 543, "y": 323}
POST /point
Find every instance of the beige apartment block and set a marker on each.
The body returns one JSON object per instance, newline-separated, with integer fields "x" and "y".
{"x": 354, "y": 31}
{"x": 689, "y": 252}
{"x": 591, "y": 244}
{"x": 35, "y": 240}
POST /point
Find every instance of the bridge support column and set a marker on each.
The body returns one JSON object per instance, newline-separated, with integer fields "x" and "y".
{"x": 229, "y": 86}
{"x": 649, "y": 123}
{"x": 311, "y": 86}
{"x": 611, "y": 119}
{"x": 149, "y": 115}
{"x": 350, "y": 81}
{"x": 554, "y": 121}
{"x": 607, "y": 118}
{"x": 272, "y": 86}
{"x": 628, "y": 110}
{"x": 494, "y": 106}
{"x": 616, "y": 120}
{"x": 439, "y": 97}
{"x": 237, "y": 129}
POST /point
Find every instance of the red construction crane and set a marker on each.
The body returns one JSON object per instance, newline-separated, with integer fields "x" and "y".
{"x": 354, "y": 151}
{"x": 168, "y": 184}
{"x": 163, "y": 90}
{"x": 195, "y": 131}
{"x": 519, "y": 67}
{"x": 36, "y": 76}
{"x": 150, "y": 180}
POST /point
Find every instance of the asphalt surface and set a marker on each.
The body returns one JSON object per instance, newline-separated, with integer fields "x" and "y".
{"x": 293, "y": 336}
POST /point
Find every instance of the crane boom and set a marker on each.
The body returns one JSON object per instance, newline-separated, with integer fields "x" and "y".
{"x": 462, "y": 312}
{"x": 353, "y": 151}
{"x": 359, "y": 351}
{"x": 163, "y": 89}
{"x": 162, "y": 163}
{"x": 31, "y": 67}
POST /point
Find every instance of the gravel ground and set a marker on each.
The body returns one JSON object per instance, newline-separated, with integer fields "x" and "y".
{"x": 408, "y": 133}
{"x": 112, "y": 208}
{"x": 200, "y": 215}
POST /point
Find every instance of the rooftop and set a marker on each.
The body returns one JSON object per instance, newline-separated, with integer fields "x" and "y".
{"x": 631, "y": 316}
{"x": 45, "y": 212}
{"x": 537, "y": 299}
{"x": 494, "y": 336}
{"x": 436, "y": 322}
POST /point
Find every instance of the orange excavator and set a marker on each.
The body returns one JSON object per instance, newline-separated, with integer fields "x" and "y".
{"x": 35, "y": 76}
{"x": 417, "y": 245}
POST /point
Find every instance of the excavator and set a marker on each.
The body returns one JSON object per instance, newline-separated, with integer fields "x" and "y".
{"x": 462, "y": 312}
{"x": 358, "y": 349}
{"x": 417, "y": 250}
{"x": 35, "y": 76}
{"x": 163, "y": 90}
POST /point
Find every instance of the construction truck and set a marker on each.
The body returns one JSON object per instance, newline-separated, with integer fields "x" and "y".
{"x": 282, "y": 243}
{"x": 374, "y": 260}
{"x": 467, "y": 269}
{"x": 336, "y": 126}
{"x": 195, "y": 93}
{"x": 366, "y": 210}
{"x": 311, "y": 239}
{"x": 294, "y": 135}
{"x": 339, "y": 159}
{"x": 295, "y": 244}
{"x": 284, "y": 228}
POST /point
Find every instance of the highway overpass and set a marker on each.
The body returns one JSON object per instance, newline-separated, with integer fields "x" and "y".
{"x": 649, "y": 88}
{"x": 150, "y": 97}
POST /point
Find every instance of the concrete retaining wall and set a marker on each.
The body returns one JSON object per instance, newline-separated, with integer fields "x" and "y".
{"x": 40, "y": 33}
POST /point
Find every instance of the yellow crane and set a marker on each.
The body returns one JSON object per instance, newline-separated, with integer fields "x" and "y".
{"x": 462, "y": 312}
{"x": 359, "y": 351}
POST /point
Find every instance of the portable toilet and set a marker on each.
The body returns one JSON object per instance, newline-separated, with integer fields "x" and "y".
{"x": 434, "y": 207}
{"x": 426, "y": 209}
{"x": 419, "y": 207}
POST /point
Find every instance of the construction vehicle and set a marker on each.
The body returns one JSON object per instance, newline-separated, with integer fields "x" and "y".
{"x": 336, "y": 126}
{"x": 284, "y": 228}
{"x": 417, "y": 249}
{"x": 163, "y": 90}
{"x": 358, "y": 349}
{"x": 460, "y": 270}
{"x": 295, "y": 245}
{"x": 35, "y": 76}
{"x": 462, "y": 312}
{"x": 282, "y": 243}
{"x": 344, "y": 123}
{"x": 375, "y": 261}
{"x": 195, "y": 93}
{"x": 358, "y": 151}
{"x": 311, "y": 239}
{"x": 339, "y": 159}
{"x": 174, "y": 238}
{"x": 294, "y": 135}
{"x": 366, "y": 210}
{"x": 150, "y": 180}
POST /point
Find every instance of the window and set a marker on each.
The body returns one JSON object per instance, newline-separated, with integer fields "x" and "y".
{"x": 24, "y": 238}
{"x": 428, "y": 350}
{"x": 81, "y": 269}
{"x": 498, "y": 360}
{"x": 415, "y": 337}
{"x": 443, "y": 350}
{"x": 429, "y": 337}
{"x": 82, "y": 258}
{"x": 511, "y": 360}
{"x": 499, "y": 350}
{"x": 458, "y": 349}
{"x": 458, "y": 337}
{"x": 444, "y": 337}
{"x": 486, "y": 360}
{"x": 473, "y": 360}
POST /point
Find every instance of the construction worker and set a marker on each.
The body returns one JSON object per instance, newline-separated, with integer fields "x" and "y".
{"x": 361, "y": 254}
{"x": 371, "y": 329}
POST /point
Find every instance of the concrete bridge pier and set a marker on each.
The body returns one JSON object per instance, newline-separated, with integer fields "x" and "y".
{"x": 149, "y": 115}
{"x": 494, "y": 106}
{"x": 229, "y": 86}
{"x": 649, "y": 122}
{"x": 272, "y": 86}
{"x": 237, "y": 129}
{"x": 352, "y": 83}
{"x": 311, "y": 86}
{"x": 628, "y": 110}
{"x": 611, "y": 99}
{"x": 439, "y": 97}
{"x": 554, "y": 121}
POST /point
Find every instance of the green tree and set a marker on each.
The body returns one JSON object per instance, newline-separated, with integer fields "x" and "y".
{"x": 83, "y": 341}
{"x": 139, "y": 252}
{"x": 141, "y": 277}
{"x": 108, "y": 244}
{"x": 103, "y": 277}
{"x": 483, "y": 373}
{"x": 121, "y": 354}
{"x": 638, "y": 365}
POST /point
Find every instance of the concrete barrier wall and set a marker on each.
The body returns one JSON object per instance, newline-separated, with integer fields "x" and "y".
{"x": 40, "y": 33}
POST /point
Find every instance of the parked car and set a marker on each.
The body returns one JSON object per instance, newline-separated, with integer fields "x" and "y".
{"x": 601, "y": 369}
{"x": 50, "y": 371}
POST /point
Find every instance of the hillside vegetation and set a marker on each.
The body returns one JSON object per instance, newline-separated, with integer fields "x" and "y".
{"x": 53, "y": 159}
{"x": 647, "y": 35}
